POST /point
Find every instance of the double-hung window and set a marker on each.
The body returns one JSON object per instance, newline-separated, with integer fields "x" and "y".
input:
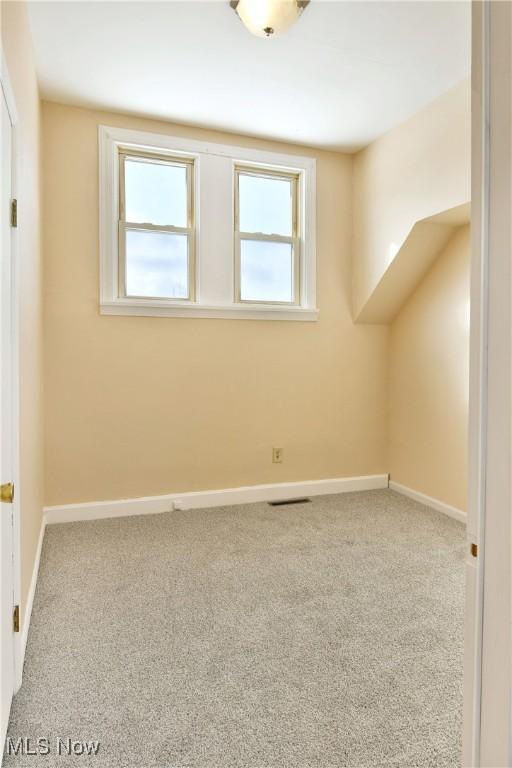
{"x": 156, "y": 226}
{"x": 195, "y": 229}
{"x": 267, "y": 246}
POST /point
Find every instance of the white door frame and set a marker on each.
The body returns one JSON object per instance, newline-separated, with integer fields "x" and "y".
{"x": 487, "y": 734}
{"x": 5, "y": 85}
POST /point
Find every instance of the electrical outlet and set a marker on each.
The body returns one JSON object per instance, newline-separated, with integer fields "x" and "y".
{"x": 277, "y": 455}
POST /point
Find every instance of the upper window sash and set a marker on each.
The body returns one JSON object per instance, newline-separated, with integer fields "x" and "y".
{"x": 135, "y": 155}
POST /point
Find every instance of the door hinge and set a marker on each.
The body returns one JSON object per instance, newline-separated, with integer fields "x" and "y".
{"x": 474, "y": 550}
{"x": 14, "y": 212}
{"x": 16, "y": 618}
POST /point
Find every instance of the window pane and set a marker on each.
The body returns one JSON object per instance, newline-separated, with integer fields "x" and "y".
{"x": 266, "y": 271}
{"x": 265, "y": 205}
{"x": 156, "y": 264}
{"x": 155, "y": 193}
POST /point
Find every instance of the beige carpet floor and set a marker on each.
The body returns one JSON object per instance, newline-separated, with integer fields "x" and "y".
{"x": 308, "y": 636}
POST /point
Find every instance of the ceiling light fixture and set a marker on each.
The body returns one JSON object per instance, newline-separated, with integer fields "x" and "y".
{"x": 268, "y": 17}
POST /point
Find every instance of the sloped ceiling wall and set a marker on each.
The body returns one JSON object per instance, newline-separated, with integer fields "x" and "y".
{"x": 411, "y": 187}
{"x": 419, "y": 250}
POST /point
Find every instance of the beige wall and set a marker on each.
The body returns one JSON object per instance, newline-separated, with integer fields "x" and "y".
{"x": 139, "y": 406}
{"x": 416, "y": 170}
{"x": 429, "y": 380}
{"x": 17, "y": 47}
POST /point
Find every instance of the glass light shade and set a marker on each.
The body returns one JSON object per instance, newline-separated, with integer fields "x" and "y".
{"x": 268, "y": 17}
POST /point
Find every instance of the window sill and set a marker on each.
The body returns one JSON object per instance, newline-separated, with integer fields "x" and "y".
{"x": 229, "y": 312}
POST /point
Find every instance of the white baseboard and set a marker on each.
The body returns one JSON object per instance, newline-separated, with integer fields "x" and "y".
{"x": 94, "y": 510}
{"x": 23, "y": 636}
{"x": 429, "y": 501}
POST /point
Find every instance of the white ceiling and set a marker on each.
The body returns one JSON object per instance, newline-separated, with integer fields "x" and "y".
{"x": 343, "y": 75}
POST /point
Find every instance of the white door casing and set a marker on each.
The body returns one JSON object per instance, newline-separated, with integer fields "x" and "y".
{"x": 9, "y": 403}
{"x": 6, "y": 520}
{"x": 487, "y": 731}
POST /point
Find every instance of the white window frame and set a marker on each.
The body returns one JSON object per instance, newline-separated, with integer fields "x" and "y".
{"x": 294, "y": 239}
{"x": 213, "y": 291}
{"x": 142, "y": 226}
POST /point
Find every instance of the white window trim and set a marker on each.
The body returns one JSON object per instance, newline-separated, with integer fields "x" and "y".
{"x": 111, "y": 139}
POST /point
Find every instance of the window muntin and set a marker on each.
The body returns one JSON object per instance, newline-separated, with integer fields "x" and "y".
{"x": 267, "y": 242}
{"x": 156, "y": 226}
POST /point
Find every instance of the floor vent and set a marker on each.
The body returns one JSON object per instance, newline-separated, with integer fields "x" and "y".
{"x": 288, "y": 501}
